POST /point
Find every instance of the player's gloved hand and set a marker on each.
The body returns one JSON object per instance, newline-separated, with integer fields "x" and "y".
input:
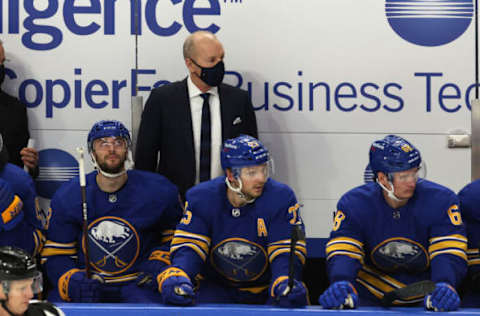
{"x": 443, "y": 298}
{"x": 291, "y": 297}
{"x": 176, "y": 287}
{"x": 341, "y": 294}
{"x": 74, "y": 286}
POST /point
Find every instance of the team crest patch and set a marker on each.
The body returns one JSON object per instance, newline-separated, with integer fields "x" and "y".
{"x": 253, "y": 144}
{"x": 400, "y": 254}
{"x": 42, "y": 216}
{"x": 113, "y": 244}
{"x": 406, "y": 148}
{"x": 239, "y": 259}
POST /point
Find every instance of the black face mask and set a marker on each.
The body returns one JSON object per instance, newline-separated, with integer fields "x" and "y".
{"x": 2, "y": 73}
{"x": 212, "y": 76}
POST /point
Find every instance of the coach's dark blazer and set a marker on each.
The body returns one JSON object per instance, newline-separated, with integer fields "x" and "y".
{"x": 166, "y": 126}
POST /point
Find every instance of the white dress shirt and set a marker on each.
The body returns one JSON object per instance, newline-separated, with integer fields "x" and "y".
{"x": 196, "y": 104}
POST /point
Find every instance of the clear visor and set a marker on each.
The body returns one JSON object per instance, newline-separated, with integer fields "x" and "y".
{"x": 37, "y": 285}
{"x": 251, "y": 172}
{"x": 106, "y": 143}
{"x": 415, "y": 174}
{"x": 34, "y": 284}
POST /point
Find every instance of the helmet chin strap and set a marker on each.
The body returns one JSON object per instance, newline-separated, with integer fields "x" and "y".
{"x": 4, "y": 305}
{"x": 127, "y": 165}
{"x": 238, "y": 190}
{"x": 390, "y": 192}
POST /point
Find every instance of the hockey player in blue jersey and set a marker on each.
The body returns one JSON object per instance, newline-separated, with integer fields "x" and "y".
{"x": 22, "y": 222}
{"x": 131, "y": 219}
{"x": 470, "y": 205}
{"x": 395, "y": 231}
{"x": 233, "y": 242}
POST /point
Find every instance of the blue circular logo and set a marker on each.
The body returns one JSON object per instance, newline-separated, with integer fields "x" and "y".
{"x": 427, "y": 22}
{"x": 239, "y": 259}
{"x": 55, "y": 168}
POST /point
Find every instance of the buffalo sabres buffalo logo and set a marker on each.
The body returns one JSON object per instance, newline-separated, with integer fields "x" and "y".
{"x": 239, "y": 259}
{"x": 397, "y": 254}
{"x": 113, "y": 244}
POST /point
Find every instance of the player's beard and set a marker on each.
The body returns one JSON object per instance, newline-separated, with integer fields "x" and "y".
{"x": 253, "y": 193}
{"x": 113, "y": 169}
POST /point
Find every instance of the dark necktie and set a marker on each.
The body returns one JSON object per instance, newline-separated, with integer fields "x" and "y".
{"x": 205, "y": 140}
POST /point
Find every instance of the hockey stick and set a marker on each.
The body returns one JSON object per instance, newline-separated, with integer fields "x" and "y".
{"x": 417, "y": 289}
{"x": 297, "y": 234}
{"x": 83, "y": 182}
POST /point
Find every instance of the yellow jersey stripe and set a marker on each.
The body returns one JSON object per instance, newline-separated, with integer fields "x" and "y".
{"x": 378, "y": 294}
{"x": 185, "y": 234}
{"x": 455, "y": 236}
{"x": 393, "y": 282}
{"x": 272, "y": 256}
{"x": 297, "y": 247}
{"x": 448, "y": 244}
{"x": 370, "y": 279}
{"x": 48, "y": 252}
{"x": 345, "y": 247}
{"x": 201, "y": 244}
{"x": 474, "y": 251}
{"x": 472, "y": 262}
{"x": 50, "y": 243}
{"x": 345, "y": 253}
{"x": 194, "y": 247}
{"x": 456, "y": 252}
{"x": 345, "y": 240}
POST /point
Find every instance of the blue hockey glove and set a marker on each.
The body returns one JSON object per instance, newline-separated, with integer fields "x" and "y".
{"x": 443, "y": 298}
{"x": 176, "y": 287}
{"x": 339, "y": 295}
{"x": 291, "y": 297}
{"x": 74, "y": 286}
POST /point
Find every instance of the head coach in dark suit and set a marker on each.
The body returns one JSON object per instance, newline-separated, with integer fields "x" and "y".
{"x": 185, "y": 123}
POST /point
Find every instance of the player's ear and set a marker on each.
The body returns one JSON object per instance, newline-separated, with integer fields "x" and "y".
{"x": 383, "y": 179}
{"x": 228, "y": 174}
{"x": 190, "y": 65}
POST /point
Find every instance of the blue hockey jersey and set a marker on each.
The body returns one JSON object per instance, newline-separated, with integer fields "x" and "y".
{"x": 29, "y": 232}
{"x": 127, "y": 230}
{"x": 470, "y": 205}
{"x": 244, "y": 247}
{"x": 382, "y": 248}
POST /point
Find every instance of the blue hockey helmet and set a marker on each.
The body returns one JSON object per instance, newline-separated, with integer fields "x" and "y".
{"x": 393, "y": 154}
{"x": 243, "y": 151}
{"x": 111, "y": 128}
